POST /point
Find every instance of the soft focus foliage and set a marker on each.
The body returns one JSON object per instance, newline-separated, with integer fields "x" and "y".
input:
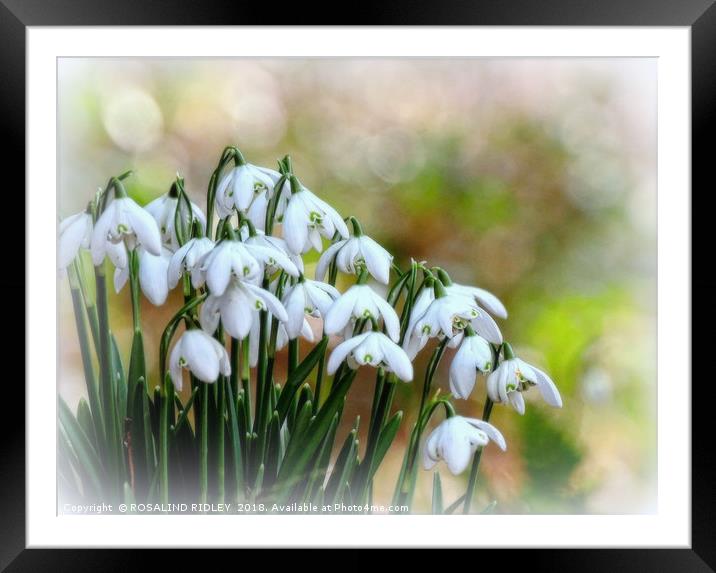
{"x": 532, "y": 178}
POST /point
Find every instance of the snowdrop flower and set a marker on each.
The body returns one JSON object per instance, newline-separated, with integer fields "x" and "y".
{"x": 307, "y": 297}
{"x": 186, "y": 260}
{"x": 124, "y": 220}
{"x": 444, "y": 316}
{"x": 238, "y": 306}
{"x": 307, "y": 218}
{"x": 456, "y": 439}
{"x": 163, "y": 209}
{"x": 152, "y": 275}
{"x": 204, "y": 356}
{"x": 513, "y": 376}
{"x": 241, "y": 185}
{"x": 361, "y": 301}
{"x": 483, "y": 298}
{"x": 357, "y": 253}
{"x": 272, "y": 243}
{"x": 375, "y": 349}
{"x": 482, "y": 323}
{"x": 473, "y": 355}
{"x": 231, "y": 258}
{"x": 75, "y": 233}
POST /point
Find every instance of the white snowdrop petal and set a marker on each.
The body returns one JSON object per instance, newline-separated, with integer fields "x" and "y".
{"x": 548, "y": 389}
{"x": 175, "y": 369}
{"x": 341, "y": 351}
{"x": 340, "y": 313}
{"x": 377, "y": 259}
{"x": 153, "y": 276}
{"x": 390, "y": 318}
{"x": 397, "y": 360}
{"x": 295, "y": 303}
{"x": 72, "y": 237}
{"x": 198, "y": 352}
{"x": 517, "y": 401}
{"x": 121, "y": 275}
{"x": 295, "y": 229}
{"x": 144, "y": 226}
{"x": 326, "y": 258}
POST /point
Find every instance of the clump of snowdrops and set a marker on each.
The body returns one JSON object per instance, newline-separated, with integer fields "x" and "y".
{"x": 241, "y": 433}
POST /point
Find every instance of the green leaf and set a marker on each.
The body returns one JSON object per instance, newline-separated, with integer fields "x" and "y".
{"x": 296, "y": 461}
{"x": 235, "y": 441}
{"x": 302, "y": 421}
{"x": 298, "y": 376}
{"x": 437, "y": 495}
{"x": 318, "y": 474}
{"x": 84, "y": 417}
{"x": 454, "y": 505}
{"x": 272, "y": 451}
{"x": 89, "y": 463}
{"x": 142, "y": 439}
{"x": 258, "y": 484}
{"x": 385, "y": 439}
{"x": 120, "y": 384}
{"x": 137, "y": 365}
{"x": 128, "y": 494}
{"x": 343, "y": 468}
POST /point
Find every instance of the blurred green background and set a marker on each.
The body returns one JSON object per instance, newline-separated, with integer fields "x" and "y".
{"x": 533, "y": 178}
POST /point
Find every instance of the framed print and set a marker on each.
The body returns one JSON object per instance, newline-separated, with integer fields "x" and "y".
{"x": 424, "y": 281}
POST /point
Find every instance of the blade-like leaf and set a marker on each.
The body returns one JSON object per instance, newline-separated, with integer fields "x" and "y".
{"x": 437, "y": 505}
{"x": 297, "y": 377}
{"x": 80, "y": 443}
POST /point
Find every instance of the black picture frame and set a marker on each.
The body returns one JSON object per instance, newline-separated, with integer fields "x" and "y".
{"x": 699, "y": 15}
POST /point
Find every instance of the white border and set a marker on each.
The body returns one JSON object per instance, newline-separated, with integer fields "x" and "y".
{"x": 669, "y": 527}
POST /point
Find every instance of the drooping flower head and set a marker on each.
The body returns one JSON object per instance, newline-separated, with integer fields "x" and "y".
{"x": 186, "y": 260}
{"x": 483, "y": 298}
{"x": 439, "y": 315}
{"x": 124, "y": 221}
{"x": 307, "y": 298}
{"x": 474, "y": 355}
{"x": 75, "y": 234}
{"x": 164, "y": 210}
{"x": 231, "y": 258}
{"x": 361, "y": 302}
{"x": 307, "y": 218}
{"x": 152, "y": 275}
{"x": 201, "y": 354}
{"x": 456, "y": 439}
{"x": 425, "y": 321}
{"x": 242, "y": 185}
{"x": 237, "y": 307}
{"x": 355, "y": 254}
{"x": 514, "y": 376}
{"x": 374, "y": 349}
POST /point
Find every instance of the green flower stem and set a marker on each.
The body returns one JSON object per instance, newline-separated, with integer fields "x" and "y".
{"x": 235, "y": 366}
{"x": 273, "y": 205}
{"x": 226, "y": 156}
{"x": 487, "y": 410}
{"x": 263, "y": 386}
{"x": 167, "y": 397}
{"x": 108, "y": 393}
{"x": 220, "y": 468}
{"x": 385, "y": 388}
{"x": 414, "y": 444}
{"x": 293, "y": 348}
{"x": 90, "y": 378}
{"x": 246, "y": 379}
{"x": 204, "y": 445}
{"x": 319, "y": 382}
